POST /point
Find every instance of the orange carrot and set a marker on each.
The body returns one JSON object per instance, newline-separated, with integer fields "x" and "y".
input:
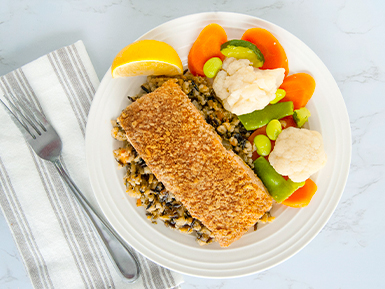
{"x": 207, "y": 45}
{"x": 301, "y": 197}
{"x": 272, "y": 50}
{"x": 299, "y": 89}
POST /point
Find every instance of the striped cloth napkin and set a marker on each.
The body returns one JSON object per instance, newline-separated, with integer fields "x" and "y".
{"x": 58, "y": 246}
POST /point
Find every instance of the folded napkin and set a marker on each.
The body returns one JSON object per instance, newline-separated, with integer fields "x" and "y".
{"x": 58, "y": 245}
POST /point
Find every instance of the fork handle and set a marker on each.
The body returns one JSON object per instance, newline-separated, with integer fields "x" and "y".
{"x": 125, "y": 263}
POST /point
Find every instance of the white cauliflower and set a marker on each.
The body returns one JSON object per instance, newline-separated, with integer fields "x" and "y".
{"x": 243, "y": 88}
{"x": 298, "y": 153}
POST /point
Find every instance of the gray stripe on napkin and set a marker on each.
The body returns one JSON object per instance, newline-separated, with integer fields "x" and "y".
{"x": 68, "y": 69}
{"x": 164, "y": 276}
{"x": 155, "y": 272}
{"x": 83, "y": 252}
{"x": 85, "y": 77}
{"x": 15, "y": 80}
{"x": 10, "y": 80}
{"x": 31, "y": 96}
{"x": 81, "y": 72}
{"x": 23, "y": 233}
{"x": 84, "y": 93}
{"x": 70, "y": 225}
{"x": 95, "y": 244}
{"x": 152, "y": 280}
{"x": 17, "y": 84}
{"x": 64, "y": 83}
{"x": 52, "y": 197}
{"x": 144, "y": 271}
{"x": 168, "y": 277}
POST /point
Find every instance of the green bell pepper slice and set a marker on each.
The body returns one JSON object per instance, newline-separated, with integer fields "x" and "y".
{"x": 279, "y": 188}
{"x": 259, "y": 118}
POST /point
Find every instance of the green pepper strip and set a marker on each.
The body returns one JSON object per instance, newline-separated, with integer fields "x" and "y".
{"x": 279, "y": 188}
{"x": 259, "y": 118}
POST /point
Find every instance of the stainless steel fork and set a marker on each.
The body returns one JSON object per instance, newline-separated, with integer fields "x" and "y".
{"x": 46, "y": 143}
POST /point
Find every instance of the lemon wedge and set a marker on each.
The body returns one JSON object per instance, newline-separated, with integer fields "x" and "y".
{"x": 147, "y": 57}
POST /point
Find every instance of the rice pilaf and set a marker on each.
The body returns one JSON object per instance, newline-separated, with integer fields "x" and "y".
{"x": 143, "y": 185}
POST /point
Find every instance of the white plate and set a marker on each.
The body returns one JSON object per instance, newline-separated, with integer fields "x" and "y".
{"x": 255, "y": 251}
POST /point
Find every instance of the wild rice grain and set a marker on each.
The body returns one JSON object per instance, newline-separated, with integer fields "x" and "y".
{"x": 143, "y": 185}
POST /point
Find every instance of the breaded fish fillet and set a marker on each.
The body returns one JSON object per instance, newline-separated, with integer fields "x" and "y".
{"x": 187, "y": 156}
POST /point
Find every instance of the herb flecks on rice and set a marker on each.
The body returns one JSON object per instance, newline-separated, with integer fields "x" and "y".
{"x": 143, "y": 185}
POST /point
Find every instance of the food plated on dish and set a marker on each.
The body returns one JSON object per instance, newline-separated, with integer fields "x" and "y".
{"x": 272, "y": 242}
{"x": 192, "y": 137}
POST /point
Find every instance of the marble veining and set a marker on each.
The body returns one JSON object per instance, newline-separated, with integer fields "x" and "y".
{"x": 371, "y": 73}
{"x": 266, "y": 8}
{"x": 351, "y": 22}
{"x": 98, "y": 6}
{"x": 7, "y": 277}
{"x": 348, "y": 35}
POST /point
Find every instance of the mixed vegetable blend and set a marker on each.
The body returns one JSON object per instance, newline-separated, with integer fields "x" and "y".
{"x": 250, "y": 78}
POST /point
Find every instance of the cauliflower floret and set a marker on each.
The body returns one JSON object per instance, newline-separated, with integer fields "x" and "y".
{"x": 298, "y": 153}
{"x": 243, "y": 88}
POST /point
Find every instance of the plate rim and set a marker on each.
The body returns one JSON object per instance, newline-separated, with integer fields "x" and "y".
{"x": 343, "y": 178}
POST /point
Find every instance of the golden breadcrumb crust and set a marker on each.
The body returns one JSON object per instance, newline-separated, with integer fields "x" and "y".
{"x": 187, "y": 156}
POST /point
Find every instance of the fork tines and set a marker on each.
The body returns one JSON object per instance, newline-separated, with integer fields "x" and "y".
{"x": 24, "y": 115}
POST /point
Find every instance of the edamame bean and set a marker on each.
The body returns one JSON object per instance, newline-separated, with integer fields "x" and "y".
{"x": 263, "y": 144}
{"x": 212, "y": 66}
{"x": 273, "y": 129}
{"x": 279, "y": 94}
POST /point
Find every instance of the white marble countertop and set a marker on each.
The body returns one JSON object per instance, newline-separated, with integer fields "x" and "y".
{"x": 349, "y": 37}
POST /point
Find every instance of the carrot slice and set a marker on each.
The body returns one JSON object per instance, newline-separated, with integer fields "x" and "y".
{"x": 301, "y": 197}
{"x": 299, "y": 89}
{"x": 272, "y": 50}
{"x": 207, "y": 45}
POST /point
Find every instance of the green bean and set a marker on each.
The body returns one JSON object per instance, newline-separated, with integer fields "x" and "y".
{"x": 273, "y": 129}
{"x": 279, "y": 188}
{"x": 263, "y": 145}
